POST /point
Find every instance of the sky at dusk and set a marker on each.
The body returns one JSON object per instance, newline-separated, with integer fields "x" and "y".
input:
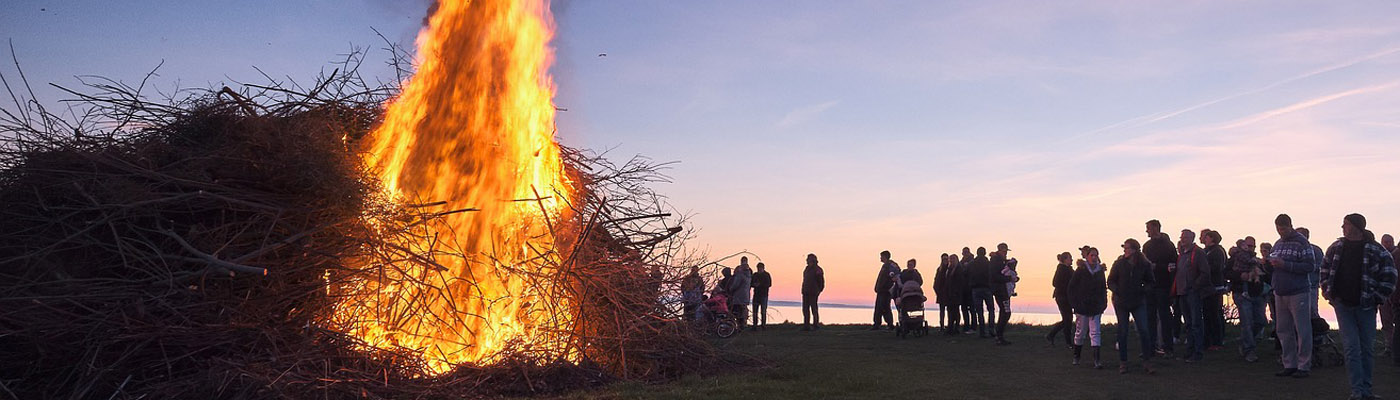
{"x": 847, "y": 128}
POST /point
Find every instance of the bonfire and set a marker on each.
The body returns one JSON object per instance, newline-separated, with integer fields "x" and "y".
{"x": 337, "y": 240}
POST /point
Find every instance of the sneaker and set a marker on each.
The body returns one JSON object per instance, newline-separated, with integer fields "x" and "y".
{"x": 1075, "y": 363}
{"x": 1098, "y": 365}
{"x": 1122, "y": 368}
{"x": 1286, "y": 372}
{"x": 1251, "y": 357}
{"x": 1300, "y": 374}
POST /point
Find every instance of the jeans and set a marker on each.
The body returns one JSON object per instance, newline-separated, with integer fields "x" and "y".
{"x": 1213, "y": 313}
{"x": 1160, "y": 319}
{"x": 1138, "y": 315}
{"x": 760, "y": 310}
{"x": 1358, "y": 327}
{"x": 809, "y": 310}
{"x": 1087, "y": 328}
{"x": 983, "y": 297}
{"x": 1066, "y": 323}
{"x": 882, "y": 308}
{"x": 1195, "y": 324}
{"x": 1251, "y": 320}
{"x": 1294, "y": 328}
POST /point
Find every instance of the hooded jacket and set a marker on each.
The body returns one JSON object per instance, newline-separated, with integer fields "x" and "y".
{"x": 979, "y": 275}
{"x": 1299, "y": 262}
{"x": 1378, "y": 274}
{"x": 1130, "y": 279}
{"x": 740, "y": 284}
{"x": 1061, "y": 281}
{"x": 886, "y": 277}
{"x": 813, "y": 280}
{"x": 1088, "y": 293}
{"x": 1192, "y": 272}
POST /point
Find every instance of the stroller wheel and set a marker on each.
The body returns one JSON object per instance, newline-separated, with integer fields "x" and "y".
{"x": 726, "y": 329}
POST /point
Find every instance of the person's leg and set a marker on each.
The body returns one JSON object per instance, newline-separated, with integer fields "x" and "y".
{"x": 1247, "y": 323}
{"x": 1303, "y": 324}
{"x": 1210, "y": 306}
{"x": 1395, "y": 336}
{"x": 1067, "y": 320}
{"x": 1349, "y": 326}
{"x": 880, "y": 299}
{"x": 1081, "y": 332}
{"x": 807, "y": 308}
{"x": 1366, "y": 326}
{"x": 1123, "y": 314}
{"x": 1139, "y": 315}
{"x": 886, "y": 312}
{"x": 1386, "y": 312}
{"x": 1096, "y": 338}
{"x": 1286, "y": 330}
{"x": 1164, "y": 334}
{"x": 1005, "y": 305}
{"x": 1195, "y": 325}
{"x": 1261, "y": 320}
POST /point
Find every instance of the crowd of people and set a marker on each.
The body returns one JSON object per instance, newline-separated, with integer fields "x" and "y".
{"x": 1171, "y": 293}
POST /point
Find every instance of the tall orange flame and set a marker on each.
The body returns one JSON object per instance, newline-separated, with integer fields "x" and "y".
{"x": 473, "y": 127}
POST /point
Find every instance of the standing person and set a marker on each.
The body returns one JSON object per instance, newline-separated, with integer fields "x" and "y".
{"x": 969, "y": 300}
{"x": 692, "y": 293}
{"x": 1293, "y": 261}
{"x": 1265, "y": 249}
{"x": 1089, "y": 297}
{"x": 762, "y": 281}
{"x": 1192, "y": 286}
{"x": 884, "y": 281}
{"x": 1131, "y": 280}
{"x": 1247, "y": 278}
{"x": 940, "y": 279}
{"x": 979, "y": 277}
{"x": 1395, "y": 299}
{"x": 1001, "y": 292}
{"x": 739, "y": 291}
{"x": 1387, "y": 310}
{"x": 1162, "y": 253}
{"x": 910, "y": 273}
{"x": 1063, "y": 272}
{"x": 953, "y": 295}
{"x": 1213, "y": 304}
{"x": 813, "y": 283}
{"x": 1357, "y": 275}
{"x": 1314, "y": 279}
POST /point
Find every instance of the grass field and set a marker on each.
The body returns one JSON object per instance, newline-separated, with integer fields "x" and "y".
{"x": 850, "y": 362}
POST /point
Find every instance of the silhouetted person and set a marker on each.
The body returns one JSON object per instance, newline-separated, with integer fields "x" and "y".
{"x": 1387, "y": 310}
{"x": 1161, "y": 323}
{"x": 1314, "y": 280}
{"x": 1131, "y": 280}
{"x": 969, "y": 300}
{"x": 1293, "y": 260}
{"x": 692, "y": 293}
{"x": 1001, "y": 292}
{"x": 940, "y": 278}
{"x": 1247, "y": 278}
{"x": 1191, "y": 287}
{"x": 1357, "y": 275}
{"x": 979, "y": 278}
{"x": 813, "y": 282}
{"x": 740, "y": 291}
{"x": 761, "y": 282}
{"x": 1063, "y": 272}
{"x": 1213, "y": 302}
{"x": 884, "y": 281}
{"x": 954, "y": 293}
{"x": 910, "y": 273}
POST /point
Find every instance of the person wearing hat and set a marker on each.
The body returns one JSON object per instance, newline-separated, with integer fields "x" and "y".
{"x": 1357, "y": 275}
{"x": 1001, "y": 291}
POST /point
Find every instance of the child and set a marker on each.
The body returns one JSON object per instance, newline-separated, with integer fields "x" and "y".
{"x": 1009, "y": 271}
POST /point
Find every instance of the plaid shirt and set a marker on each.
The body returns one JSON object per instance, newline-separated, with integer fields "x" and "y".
{"x": 1378, "y": 273}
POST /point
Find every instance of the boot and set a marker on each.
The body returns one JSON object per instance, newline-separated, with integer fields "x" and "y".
{"x": 1097, "y": 364}
{"x": 1123, "y": 367}
{"x": 1077, "y": 351}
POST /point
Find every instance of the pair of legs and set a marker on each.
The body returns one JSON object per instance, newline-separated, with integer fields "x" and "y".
{"x": 1137, "y": 314}
{"x": 1213, "y": 313}
{"x": 954, "y": 316}
{"x": 810, "y": 316}
{"x": 1066, "y": 323}
{"x": 970, "y": 322}
{"x": 1358, "y": 327}
{"x": 1160, "y": 319}
{"x": 982, "y": 297}
{"x": 1004, "y": 303}
{"x": 1191, "y": 304}
{"x": 882, "y": 309}
{"x": 1294, "y": 326}
{"x": 1087, "y": 329}
{"x": 760, "y": 311}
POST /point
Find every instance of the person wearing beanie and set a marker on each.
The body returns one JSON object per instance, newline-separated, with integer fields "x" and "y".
{"x": 1357, "y": 276}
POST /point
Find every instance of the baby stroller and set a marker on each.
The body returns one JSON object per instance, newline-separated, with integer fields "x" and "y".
{"x": 911, "y": 310}
{"x": 1326, "y": 351}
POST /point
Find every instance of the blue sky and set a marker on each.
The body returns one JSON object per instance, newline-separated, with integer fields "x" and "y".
{"x": 845, "y": 128}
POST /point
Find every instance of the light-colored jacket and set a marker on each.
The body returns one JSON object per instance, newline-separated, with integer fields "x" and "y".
{"x": 740, "y": 285}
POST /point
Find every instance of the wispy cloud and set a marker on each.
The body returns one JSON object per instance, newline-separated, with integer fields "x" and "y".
{"x": 804, "y": 114}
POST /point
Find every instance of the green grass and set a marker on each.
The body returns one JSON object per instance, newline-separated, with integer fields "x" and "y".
{"x": 848, "y": 362}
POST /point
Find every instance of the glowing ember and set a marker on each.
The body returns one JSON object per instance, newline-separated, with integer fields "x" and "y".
{"x": 473, "y": 127}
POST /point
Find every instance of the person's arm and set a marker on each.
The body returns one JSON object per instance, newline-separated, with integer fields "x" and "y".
{"x": 1113, "y": 275}
{"x": 1327, "y": 270}
{"x": 1149, "y": 279}
{"x": 1385, "y": 283}
{"x": 1302, "y": 263}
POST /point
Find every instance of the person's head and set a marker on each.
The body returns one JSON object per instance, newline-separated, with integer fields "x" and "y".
{"x": 1093, "y": 254}
{"x": 967, "y": 252}
{"x": 1284, "y": 224}
{"x": 811, "y": 259}
{"x": 1187, "y": 236}
{"x": 760, "y": 266}
{"x": 885, "y": 255}
{"x": 1064, "y": 258}
{"x": 1307, "y": 234}
{"x": 981, "y": 251}
{"x": 727, "y": 272}
{"x": 1266, "y": 248}
{"x": 1084, "y": 251}
{"x": 1210, "y": 237}
{"x": 1354, "y": 226}
{"x": 1247, "y": 243}
{"x": 1154, "y": 227}
{"x": 943, "y": 257}
{"x": 1131, "y": 247}
{"x": 1002, "y": 249}
{"x": 1388, "y": 242}
{"x": 910, "y": 264}
{"x": 744, "y": 260}
{"x": 953, "y": 259}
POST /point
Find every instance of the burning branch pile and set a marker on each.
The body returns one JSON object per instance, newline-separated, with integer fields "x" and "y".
{"x": 254, "y": 243}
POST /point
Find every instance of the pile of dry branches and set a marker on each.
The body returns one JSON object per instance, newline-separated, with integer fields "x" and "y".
{"x": 184, "y": 248}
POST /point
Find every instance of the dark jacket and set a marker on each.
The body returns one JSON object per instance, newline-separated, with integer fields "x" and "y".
{"x": 1088, "y": 291}
{"x": 940, "y": 283}
{"x": 910, "y": 274}
{"x": 1192, "y": 272}
{"x": 813, "y": 280}
{"x": 1299, "y": 262}
{"x": 1130, "y": 279}
{"x": 1061, "y": 281}
{"x": 1215, "y": 256}
{"x": 1161, "y": 252}
{"x": 1242, "y": 265}
{"x": 762, "y": 280}
{"x": 1378, "y": 272}
{"x": 885, "y": 279}
{"x": 956, "y": 287}
{"x": 979, "y": 275}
